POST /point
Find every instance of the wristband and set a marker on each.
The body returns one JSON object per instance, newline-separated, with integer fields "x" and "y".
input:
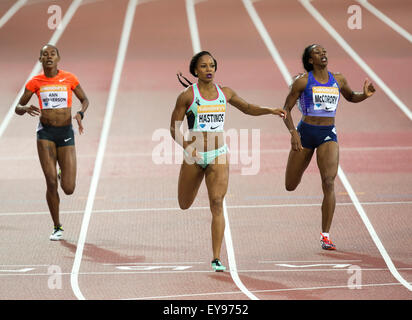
{"x": 81, "y": 114}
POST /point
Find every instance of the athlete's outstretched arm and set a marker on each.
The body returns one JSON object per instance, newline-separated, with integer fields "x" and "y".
{"x": 249, "y": 108}
{"x": 354, "y": 96}
{"x": 21, "y": 107}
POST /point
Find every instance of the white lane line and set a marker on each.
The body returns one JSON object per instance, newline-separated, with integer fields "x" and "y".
{"x": 177, "y": 272}
{"x": 150, "y": 263}
{"x": 352, "y": 53}
{"x": 372, "y": 231}
{"x": 306, "y": 261}
{"x": 257, "y": 206}
{"x": 128, "y": 22}
{"x": 384, "y": 18}
{"x": 11, "y": 12}
{"x": 341, "y": 174}
{"x": 262, "y": 291}
{"x": 37, "y": 67}
{"x": 268, "y": 41}
{"x": 228, "y": 237}
{"x": 194, "y": 32}
{"x": 231, "y": 256}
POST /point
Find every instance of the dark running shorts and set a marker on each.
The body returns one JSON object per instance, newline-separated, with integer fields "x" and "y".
{"x": 312, "y": 136}
{"x": 61, "y": 136}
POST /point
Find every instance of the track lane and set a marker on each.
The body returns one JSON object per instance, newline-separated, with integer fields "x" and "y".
{"x": 164, "y": 238}
{"x": 27, "y": 235}
{"x": 285, "y": 46}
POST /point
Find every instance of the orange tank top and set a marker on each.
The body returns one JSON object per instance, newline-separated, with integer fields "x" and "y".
{"x": 56, "y": 92}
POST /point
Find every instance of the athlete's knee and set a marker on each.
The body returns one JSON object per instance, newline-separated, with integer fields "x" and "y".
{"x": 216, "y": 202}
{"x": 51, "y": 183}
{"x": 68, "y": 189}
{"x": 184, "y": 205}
{"x": 291, "y": 185}
{"x": 328, "y": 184}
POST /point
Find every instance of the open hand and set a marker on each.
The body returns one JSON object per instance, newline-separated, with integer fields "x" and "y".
{"x": 32, "y": 110}
{"x": 79, "y": 122}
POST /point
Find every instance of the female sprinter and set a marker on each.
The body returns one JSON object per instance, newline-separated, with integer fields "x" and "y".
{"x": 204, "y": 104}
{"x": 55, "y": 136}
{"x": 317, "y": 92}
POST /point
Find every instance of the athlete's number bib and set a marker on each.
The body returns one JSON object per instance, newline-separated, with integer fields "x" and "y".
{"x": 325, "y": 98}
{"x": 211, "y": 118}
{"x": 53, "y": 96}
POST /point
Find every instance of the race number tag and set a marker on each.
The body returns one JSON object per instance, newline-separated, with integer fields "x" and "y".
{"x": 211, "y": 118}
{"x": 53, "y": 96}
{"x": 325, "y": 98}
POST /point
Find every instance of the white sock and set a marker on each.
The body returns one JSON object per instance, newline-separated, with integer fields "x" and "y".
{"x": 325, "y": 234}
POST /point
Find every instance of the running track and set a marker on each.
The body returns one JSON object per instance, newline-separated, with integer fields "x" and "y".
{"x": 125, "y": 237}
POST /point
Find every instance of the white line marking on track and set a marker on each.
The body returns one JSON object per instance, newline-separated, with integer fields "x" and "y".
{"x": 352, "y": 53}
{"x": 372, "y": 231}
{"x": 150, "y": 263}
{"x": 263, "y": 206}
{"x": 228, "y": 237}
{"x": 261, "y": 291}
{"x": 17, "y": 270}
{"x": 307, "y": 261}
{"x": 384, "y": 18}
{"x": 37, "y": 67}
{"x": 262, "y": 31}
{"x": 127, "y": 27}
{"x": 333, "y": 265}
{"x": 11, "y": 12}
{"x": 231, "y": 256}
{"x": 247, "y": 271}
{"x": 194, "y": 32}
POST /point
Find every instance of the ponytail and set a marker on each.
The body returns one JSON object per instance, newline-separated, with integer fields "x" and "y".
{"x": 188, "y": 82}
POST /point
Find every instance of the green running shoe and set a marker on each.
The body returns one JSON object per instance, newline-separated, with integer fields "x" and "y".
{"x": 218, "y": 266}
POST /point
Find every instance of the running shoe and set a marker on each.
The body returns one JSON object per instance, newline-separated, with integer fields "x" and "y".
{"x": 218, "y": 266}
{"x": 57, "y": 233}
{"x": 326, "y": 243}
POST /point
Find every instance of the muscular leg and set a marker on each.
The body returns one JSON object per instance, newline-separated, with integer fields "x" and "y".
{"x": 47, "y": 155}
{"x": 328, "y": 160}
{"x": 190, "y": 178}
{"x": 217, "y": 177}
{"x": 66, "y": 156}
{"x": 298, "y": 161}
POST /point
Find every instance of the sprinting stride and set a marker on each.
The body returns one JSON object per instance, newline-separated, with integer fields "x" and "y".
{"x": 204, "y": 105}
{"x": 317, "y": 93}
{"x": 55, "y": 136}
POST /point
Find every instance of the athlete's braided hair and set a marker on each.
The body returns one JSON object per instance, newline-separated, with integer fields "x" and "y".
{"x": 306, "y": 56}
{"x": 192, "y": 67}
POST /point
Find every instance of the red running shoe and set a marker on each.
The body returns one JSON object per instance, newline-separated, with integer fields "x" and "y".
{"x": 326, "y": 243}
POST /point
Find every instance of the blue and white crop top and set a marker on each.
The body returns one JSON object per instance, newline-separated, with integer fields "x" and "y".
{"x": 206, "y": 115}
{"x": 318, "y": 99}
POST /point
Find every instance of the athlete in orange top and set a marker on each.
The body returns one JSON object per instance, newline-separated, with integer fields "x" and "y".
{"x": 55, "y": 136}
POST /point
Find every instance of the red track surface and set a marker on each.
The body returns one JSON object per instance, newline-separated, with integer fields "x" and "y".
{"x": 137, "y": 236}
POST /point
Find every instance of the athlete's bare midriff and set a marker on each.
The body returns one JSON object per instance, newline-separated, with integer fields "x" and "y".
{"x": 319, "y": 121}
{"x": 56, "y": 117}
{"x": 207, "y": 141}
